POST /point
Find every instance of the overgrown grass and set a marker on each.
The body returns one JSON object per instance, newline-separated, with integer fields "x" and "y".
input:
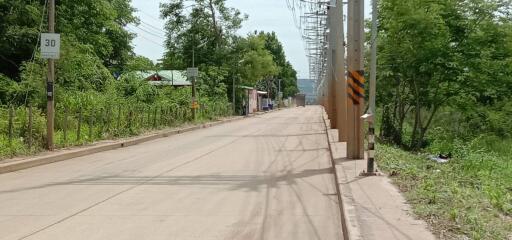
{"x": 95, "y": 125}
{"x": 469, "y": 197}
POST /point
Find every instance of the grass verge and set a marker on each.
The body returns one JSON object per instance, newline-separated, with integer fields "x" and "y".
{"x": 18, "y": 147}
{"x": 468, "y": 198}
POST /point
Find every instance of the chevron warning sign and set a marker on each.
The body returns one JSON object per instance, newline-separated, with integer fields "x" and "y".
{"x": 355, "y": 89}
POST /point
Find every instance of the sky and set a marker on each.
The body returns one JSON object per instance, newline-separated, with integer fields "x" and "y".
{"x": 264, "y": 15}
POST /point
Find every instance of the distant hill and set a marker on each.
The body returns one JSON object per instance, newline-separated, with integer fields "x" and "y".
{"x": 308, "y": 86}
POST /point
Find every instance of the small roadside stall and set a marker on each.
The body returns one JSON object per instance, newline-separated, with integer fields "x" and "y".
{"x": 254, "y": 100}
{"x": 263, "y": 101}
{"x": 250, "y": 100}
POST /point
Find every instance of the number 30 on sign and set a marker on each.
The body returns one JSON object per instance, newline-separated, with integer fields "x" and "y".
{"x": 50, "y": 45}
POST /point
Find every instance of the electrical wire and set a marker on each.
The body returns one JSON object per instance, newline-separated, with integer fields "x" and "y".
{"x": 153, "y": 28}
{"x": 310, "y": 18}
{"x": 144, "y": 37}
{"x": 149, "y": 32}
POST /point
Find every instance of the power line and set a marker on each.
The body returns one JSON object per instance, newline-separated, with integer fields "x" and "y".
{"x": 311, "y": 19}
{"x": 149, "y": 15}
{"x": 142, "y": 36}
{"x": 152, "y": 27}
{"x": 149, "y": 32}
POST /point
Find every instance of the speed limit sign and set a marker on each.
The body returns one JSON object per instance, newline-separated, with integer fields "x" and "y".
{"x": 50, "y": 45}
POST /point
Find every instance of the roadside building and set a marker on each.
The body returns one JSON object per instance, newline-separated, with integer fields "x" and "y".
{"x": 173, "y": 78}
{"x": 254, "y": 99}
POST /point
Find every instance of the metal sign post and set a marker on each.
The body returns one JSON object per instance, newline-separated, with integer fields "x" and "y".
{"x": 193, "y": 73}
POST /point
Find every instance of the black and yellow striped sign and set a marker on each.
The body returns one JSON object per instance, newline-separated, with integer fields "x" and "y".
{"x": 355, "y": 89}
{"x": 195, "y": 105}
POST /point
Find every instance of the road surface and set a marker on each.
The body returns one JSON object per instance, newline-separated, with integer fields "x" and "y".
{"x": 266, "y": 177}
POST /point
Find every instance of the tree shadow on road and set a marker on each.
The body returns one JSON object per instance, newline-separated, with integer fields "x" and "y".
{"x": 236, "y": 182}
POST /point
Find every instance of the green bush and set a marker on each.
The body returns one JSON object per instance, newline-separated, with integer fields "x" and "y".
{"x": 91, "y": 105}
{"x": 21, "y": 135}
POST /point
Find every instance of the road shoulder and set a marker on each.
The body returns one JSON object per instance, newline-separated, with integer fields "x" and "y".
{"x": 16, "y": 164}
{"x": 373, "y": 207}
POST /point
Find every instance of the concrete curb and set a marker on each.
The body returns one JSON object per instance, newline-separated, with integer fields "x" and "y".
{"x": 347, "y": 230}
{"x": 372, "y": 207}
{"x": 70, "y": 154}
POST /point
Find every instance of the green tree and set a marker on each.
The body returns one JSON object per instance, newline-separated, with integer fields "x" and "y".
{"x": 210, "y": 23}
{"x": 435, "y": 54}
{"x": 206, "y": 29}
{"x": 140, "y": 63}
{"x": 202, "y": 34}
{"x": 19, "y": 29}
{"x": 286, "y": 72}
{"x": 98, "y": 23}
{"x": 257, "y": 62}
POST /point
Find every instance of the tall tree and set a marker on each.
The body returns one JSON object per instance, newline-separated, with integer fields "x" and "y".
{"x": 286, "y": 72}
{"x": 257, "y": 62}
{"x": 19, "y": 27}
{"x": 438, "y": 53}
{"x": 190, "y": 24}
{"x": 98, "y": 23}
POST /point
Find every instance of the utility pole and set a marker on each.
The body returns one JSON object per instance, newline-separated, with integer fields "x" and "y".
{"x": 331, "y": 77}
{"x": 49, "y": 84}
{"x": 373, "y": 90}
{"x": 234, "y": 99}
{"x": 194, "y": 73}
{"x": 194, "y": 100}
{"x": 338, "y": 63}
{"x": 355, "y": 81}
{"x": 234, "y": 88}
{"x": 280, "y": 94}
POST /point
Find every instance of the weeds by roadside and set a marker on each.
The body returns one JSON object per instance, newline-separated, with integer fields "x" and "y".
{"x": 79, "y": 126}
{"x": 469, "y": 197}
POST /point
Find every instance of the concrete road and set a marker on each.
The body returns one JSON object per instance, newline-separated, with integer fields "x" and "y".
{"x": 267, "y": 177}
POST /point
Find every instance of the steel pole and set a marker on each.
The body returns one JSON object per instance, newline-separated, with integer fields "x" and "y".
{"x": 373, "y": 90}
{"x": 331, "y": 78}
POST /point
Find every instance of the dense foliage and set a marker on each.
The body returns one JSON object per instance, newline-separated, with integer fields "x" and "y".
{"x": 466, "y": 198}
{"x": 96, "y": 49}
{"x": 444, "y": 56}
{"x": 203, "y": 33}
{"x": 444, "y": 90}
{"x": 97, "y": 23}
